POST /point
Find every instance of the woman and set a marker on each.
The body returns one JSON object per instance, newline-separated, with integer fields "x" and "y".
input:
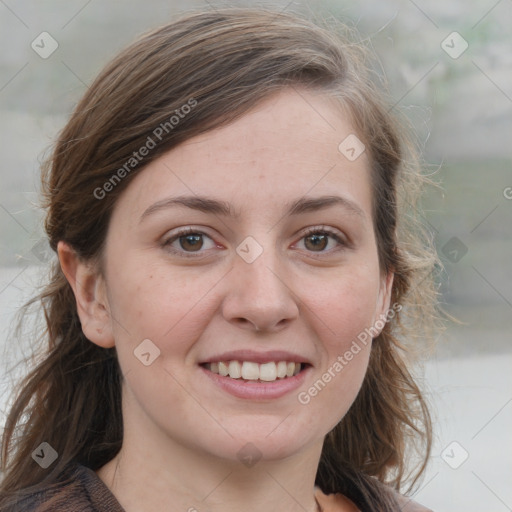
{"x": 233, "y": 209}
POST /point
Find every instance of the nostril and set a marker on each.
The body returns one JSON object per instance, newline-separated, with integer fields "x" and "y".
{"x": 246, "y": 323}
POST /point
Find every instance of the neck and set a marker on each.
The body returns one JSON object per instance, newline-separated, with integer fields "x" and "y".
{"x": 195, "y": 483}
{"x": 154, "y": 472}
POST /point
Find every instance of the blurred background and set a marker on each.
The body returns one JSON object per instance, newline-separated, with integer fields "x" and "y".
{"x": 449, "y": 68}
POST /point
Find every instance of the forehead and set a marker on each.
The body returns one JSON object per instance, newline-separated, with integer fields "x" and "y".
{"x": 289, "y": 126}
{"x": 286, "y": 147}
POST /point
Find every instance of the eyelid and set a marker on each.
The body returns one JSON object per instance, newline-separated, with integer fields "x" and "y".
{"x": 168, "y": 239}
{"x": 335, "y": 233}
{"x": 339, "y": 237}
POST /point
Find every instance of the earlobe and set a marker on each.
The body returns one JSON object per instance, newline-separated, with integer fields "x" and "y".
{"x": 90, "y": 293}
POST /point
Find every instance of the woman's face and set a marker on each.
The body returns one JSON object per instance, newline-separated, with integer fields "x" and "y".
{"x": 253, "y": 243}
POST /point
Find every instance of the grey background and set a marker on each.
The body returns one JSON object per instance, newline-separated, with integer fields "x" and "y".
{"x": 461, "y": 109}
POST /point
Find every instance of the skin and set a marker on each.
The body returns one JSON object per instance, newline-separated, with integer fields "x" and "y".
{"x": 183, "y": 433}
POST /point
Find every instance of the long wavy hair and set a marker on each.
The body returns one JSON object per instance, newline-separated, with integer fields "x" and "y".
{"x": 223, "y": 63}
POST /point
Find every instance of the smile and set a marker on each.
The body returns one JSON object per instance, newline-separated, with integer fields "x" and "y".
{"x": 252, "y": 371}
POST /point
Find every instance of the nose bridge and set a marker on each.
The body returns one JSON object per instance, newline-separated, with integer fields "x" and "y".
{"x": 262, "y": 275}
{"x": 258, "y": 294}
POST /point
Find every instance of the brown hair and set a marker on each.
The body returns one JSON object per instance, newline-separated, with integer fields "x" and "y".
{"x": 221, "y": 63}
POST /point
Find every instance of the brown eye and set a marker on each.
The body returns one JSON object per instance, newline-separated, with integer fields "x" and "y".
{"x": 192, "y": 242}
{"x": 189, "y": 242}
{"x": 316, "y": 242}
{"x": 323, "y": 241}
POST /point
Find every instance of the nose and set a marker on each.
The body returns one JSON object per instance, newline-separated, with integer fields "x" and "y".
{"x": 258, "y": 297}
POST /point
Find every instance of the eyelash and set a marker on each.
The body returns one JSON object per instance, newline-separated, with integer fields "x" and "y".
{"x": 324, "y": 230}
{"x": 317, "y": 230}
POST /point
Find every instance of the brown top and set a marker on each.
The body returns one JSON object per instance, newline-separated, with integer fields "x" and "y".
{"x": 84, "y": 491}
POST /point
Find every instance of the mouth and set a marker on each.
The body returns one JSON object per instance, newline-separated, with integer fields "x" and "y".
{"x": 250, "y": 371}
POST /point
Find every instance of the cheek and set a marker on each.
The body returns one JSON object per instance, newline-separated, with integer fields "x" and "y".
{"x": 343, "y": 310}
{"x": 171, "y": 307}
{"x": 345, "y": 305}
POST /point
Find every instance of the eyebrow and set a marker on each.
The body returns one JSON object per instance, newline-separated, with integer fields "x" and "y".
{"x": 209, "y": 205}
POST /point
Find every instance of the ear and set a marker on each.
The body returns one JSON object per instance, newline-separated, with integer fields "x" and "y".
{"x": 90, "y": 293}
{"x": 384, "y": 299}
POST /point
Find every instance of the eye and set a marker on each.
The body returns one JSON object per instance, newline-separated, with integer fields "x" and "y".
{"x": 322, "y": 240}
{"x": 189, "y": 241}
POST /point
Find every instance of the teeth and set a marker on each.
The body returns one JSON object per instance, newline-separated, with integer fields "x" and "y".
{"x": 248, "y": 370}
{"x": 281, "y": 369}
{"x": 223, "y": 369}
{"x": 235, "y": 369}
{"x": 268, "y": 371}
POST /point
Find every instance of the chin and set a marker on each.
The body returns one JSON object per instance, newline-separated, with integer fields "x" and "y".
{"x": 267, "y": 443}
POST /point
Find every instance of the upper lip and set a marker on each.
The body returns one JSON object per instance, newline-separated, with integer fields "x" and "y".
{"x": 257, "y": 357}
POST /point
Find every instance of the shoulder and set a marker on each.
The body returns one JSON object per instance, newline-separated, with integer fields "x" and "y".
{"x": 79, "y": 490}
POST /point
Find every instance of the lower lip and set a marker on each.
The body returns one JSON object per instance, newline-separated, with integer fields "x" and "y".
{"x": 257, "y": 390}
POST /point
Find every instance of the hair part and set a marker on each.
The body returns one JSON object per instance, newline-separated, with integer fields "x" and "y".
{"x": 72, "y": 399}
